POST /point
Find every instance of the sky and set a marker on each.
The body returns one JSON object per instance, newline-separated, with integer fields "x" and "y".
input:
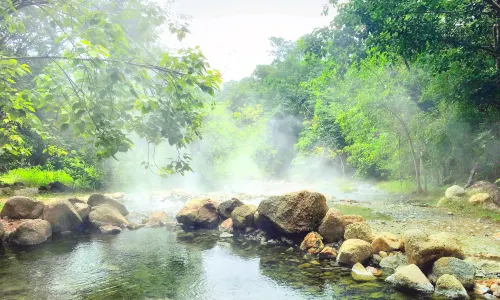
{"x": 234, "y": 34}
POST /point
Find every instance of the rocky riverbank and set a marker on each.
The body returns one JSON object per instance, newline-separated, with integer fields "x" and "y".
{"x": 416, "y": 262}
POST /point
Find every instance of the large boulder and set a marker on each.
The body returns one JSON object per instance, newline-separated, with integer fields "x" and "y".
{"x": 454, "y": 191}
{"x": 360, "y": 231}
{"x": 312, "y": 243}
{"x": 199, "y": 213}
{"x": 106, "y": 214}
{"x": 423, "y": 249}
{"x": 354, "y": 251}
{"x": 462, "y": 270}
{"x": 485, "y": 187}
{"x": 411, "y": 278}
{"x": 31, "y": 232}
{"x": 385, "y": 241}
{"x": 226, "y": 208}
{"x": 243, "y": 216}
{"x": 292, "y": 214}
{"x": 99, "y": 199}
{"x": 61, "y": 215}
{"x": 448, "y": 287}
{"x": 83, "y": 209}
{"x": 332, "y": 226}
{"x": 21, "y": 208}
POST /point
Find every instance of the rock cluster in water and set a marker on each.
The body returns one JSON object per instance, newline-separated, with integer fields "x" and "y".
{"x": 420, "y": 262}
{"x": 28, "y": 222}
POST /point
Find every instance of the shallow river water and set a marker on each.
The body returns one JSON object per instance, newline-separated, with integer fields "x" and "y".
{"x": 158, "y": 263}
{"x": 155, "y": 263}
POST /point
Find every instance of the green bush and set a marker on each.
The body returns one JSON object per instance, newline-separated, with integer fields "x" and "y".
{"x": 36, "y": 176}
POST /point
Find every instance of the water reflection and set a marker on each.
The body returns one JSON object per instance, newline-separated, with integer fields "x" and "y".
{"x": 159, "y": 264}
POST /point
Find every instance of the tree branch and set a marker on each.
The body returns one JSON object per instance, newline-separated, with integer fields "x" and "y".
{"x": 494, "y": 5}
{"x": 146, "y": 66}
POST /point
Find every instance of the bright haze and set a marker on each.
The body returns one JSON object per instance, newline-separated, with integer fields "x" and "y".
{"x": 234, "y": 34}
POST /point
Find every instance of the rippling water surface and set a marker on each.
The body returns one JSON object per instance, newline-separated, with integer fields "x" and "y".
{"x": 155, "y": 263}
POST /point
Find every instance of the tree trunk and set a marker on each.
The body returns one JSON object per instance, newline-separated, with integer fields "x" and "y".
{"x": 472, "y": 174}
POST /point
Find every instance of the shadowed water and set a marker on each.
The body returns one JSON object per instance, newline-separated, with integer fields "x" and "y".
{"x": 154, "y": 263}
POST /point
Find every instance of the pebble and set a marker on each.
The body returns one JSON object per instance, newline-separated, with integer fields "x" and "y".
{"x": 450, "y": 213}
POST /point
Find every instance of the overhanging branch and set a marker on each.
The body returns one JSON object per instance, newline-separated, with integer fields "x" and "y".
{"x": 146, "y": 66}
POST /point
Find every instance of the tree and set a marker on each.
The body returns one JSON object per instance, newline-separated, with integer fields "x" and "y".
{"x": 104, "y": 79}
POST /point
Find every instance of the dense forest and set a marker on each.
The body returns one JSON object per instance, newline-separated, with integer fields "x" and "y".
{"x": 392, "y": 90}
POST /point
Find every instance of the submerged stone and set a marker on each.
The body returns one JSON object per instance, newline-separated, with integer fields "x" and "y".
{"x": 359, "y": 273}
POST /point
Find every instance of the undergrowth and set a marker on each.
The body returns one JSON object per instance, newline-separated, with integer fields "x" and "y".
{"x": 36, "y": 177}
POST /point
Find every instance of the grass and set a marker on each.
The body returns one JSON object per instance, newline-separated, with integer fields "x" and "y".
{"x": 36, "y": 177}
{"x": 365, "y": 212}
{"x": 406, "y": 187}
{"x": 463, "y": 207}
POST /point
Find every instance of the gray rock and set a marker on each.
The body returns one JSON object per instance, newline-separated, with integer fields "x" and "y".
{"x": 411, "y": 278}
{"x": 106, "y": 215}
{"x": 394, "y": 261}
{"x": 61, "y": 215}
{"x": 21, "y": 208}
{"x": 99, "y": 199}
{"x": 109, "y": 229}
{"x": 449, "y": 287}
{"x": 454, "y": 191}
{"x": 31, "y": 232}
{"x": 243, "y": 216}
{"x": 83, "y": 209}
{"x": 225, "y": 235}
{"x": 461, "y": 270}
{"x": 226, "y": 208}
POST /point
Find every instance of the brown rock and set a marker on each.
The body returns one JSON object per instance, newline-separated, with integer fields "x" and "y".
{"x": 360, "y": 231}
{"x": 386, "y": 242}
{"x": 354, "y": 251}
{"x": 312, "y": 243}
{"x": 199, "y": 213}
{"x": 22, "y": 208}
{"x": 160, "y": 217}
{"x": 293, "y": 213}
{"x": 328, "y": 252}
{"x": 423, "y": 249}
{"x": 31, "y": 232}
{"x": 226, "y": 226}
{"x": 61, "y": 215}
{"x": 332, "y": 226}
